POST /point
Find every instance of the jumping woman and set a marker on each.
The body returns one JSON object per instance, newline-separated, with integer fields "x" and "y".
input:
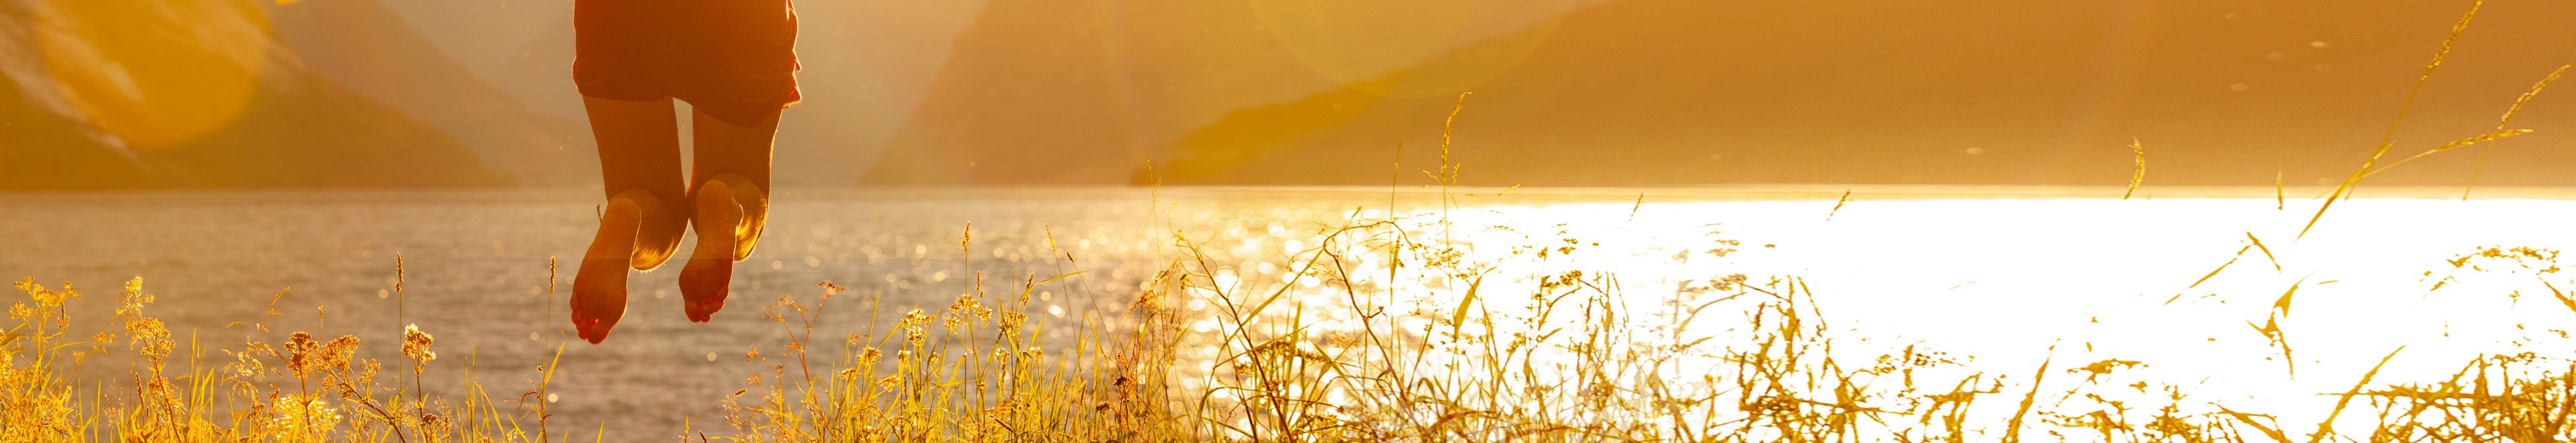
{"x": 734, "y": 61}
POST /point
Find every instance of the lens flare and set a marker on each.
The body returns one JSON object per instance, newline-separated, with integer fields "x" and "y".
{"x": 155, "y": 90}
{"x": 1391, "y": 45}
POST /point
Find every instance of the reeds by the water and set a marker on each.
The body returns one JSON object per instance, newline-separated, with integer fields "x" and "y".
{"x": 293, "y": 387}
{"x": 1387, "y": 329}
{"x": 1449, "y": 346}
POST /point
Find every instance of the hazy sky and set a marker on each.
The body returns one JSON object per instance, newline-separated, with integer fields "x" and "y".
{"x": 1567, "y": 92}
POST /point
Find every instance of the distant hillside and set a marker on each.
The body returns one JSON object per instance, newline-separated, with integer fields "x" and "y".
{"x": 1658, "y": 92}
{"x": 1649, "y": 92}
{"x": 1047, "y": 91}
{"x": 173, "y": 93}
{"x": 363, "y": 47}
{"x": 1053, "y": 91}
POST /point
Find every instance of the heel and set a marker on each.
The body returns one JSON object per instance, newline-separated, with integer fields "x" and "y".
{"x": 657, "y": 237}
{"x": 708, "y": 278}
{"x": 754, "y": 204}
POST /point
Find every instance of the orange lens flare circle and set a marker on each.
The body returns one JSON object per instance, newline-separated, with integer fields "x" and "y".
{"x": 1425, "y": 48}
{"x": 155, "y": 73}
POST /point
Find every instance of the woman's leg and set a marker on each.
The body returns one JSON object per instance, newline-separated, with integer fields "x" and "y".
{"x": 640, "y": 227}
{"x": 730, "y": 203}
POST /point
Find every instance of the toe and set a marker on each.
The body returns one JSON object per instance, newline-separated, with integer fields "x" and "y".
{"x": 704, "y": 284}
{"x": 599, "y": 286}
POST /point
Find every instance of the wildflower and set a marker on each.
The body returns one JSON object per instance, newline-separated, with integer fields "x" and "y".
{"x": 869, "y": 354}
{"x": 416, "y": 346}
{"x": 151, "y": 339}
{"x": 967, "y": 305}
{"x": 45, "y": 298}
{"x": 297, "y": 346}
{"x": 437, "y": 424}
{"x": 303, "y": 419}
{"x": 912, "y": 326}
{"x": 337, "y": 353}
{"x": 130, "y": 301}
{"x": 848, "y": 374}
{"x": 890, "y": 381}
{"x": 1011, "y": 322}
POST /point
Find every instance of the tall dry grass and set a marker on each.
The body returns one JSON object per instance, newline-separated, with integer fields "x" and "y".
{"x": 272, "y": 386}
{"x": 1382, "y": 330}
{"x": 1388, "y": 329}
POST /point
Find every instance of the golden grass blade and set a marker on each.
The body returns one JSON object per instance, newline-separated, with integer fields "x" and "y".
{"x": 2240, "y": 253}
{"x": 2248, "y": 419}
{"x": 2283, "y": 304}
{"x": 2271, "y": 331}
{"x": 2507, "y": 120}
{"x": 2267, "y": 251}
{"x": 1393, "y": 177}
{"x": 2327, "y": 427}
{"x": 2471, "y": 140}
{"x": 2140, "y": 175}
{"x": 1061, "y": 277}
{"x": 2279, "y": 202}
{"x": 2389, "y": 138}
{"x": 2561, "y": 295}
{"x": 2012, "y": 429}
{"x": 1838, "y": 205}
{"x": 1641, "y": 204}
{"x": 1449, "y": 126}
{"x": 1458, "y": 320}
{"x": 2271, "y": 328}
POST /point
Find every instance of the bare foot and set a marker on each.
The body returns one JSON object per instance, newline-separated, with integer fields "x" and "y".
{"x": 755, "y": 212}
{"x": 658, "y": 238}
{"x": 599, "y": 287}
{"x": 708, "y": 277}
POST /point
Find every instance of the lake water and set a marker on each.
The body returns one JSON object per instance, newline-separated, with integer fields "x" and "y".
{"x": 2000, "y": 273}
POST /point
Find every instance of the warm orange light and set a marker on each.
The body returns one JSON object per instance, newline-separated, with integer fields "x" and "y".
{"x": 155, "y": 90}
{"x": 1374, "y": 43}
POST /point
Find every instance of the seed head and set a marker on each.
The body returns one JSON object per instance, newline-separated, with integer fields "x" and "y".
{"x": 416, "y": 345}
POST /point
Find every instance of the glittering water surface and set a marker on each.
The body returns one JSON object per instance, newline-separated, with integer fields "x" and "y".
{"x": 2000, "y": 274}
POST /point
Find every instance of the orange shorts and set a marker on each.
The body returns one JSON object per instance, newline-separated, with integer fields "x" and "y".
{"x": 733, "y": 59}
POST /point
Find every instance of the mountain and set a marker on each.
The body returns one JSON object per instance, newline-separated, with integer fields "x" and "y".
{"x": 1659, "y": 92}
{"x": 365, "y": 48}
{"x": 1052, "y": 91}
{"x": 178, "y": 93}
{"x": 1666, "y": 92}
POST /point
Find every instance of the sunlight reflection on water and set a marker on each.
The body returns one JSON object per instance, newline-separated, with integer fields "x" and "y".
{"x": 2006, "y": 283}
{"x": 2002, "y": 280}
